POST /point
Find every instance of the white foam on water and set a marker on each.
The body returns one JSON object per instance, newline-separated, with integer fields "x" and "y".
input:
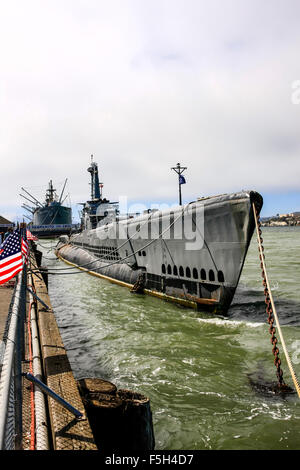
{"x": 230, "y": 323}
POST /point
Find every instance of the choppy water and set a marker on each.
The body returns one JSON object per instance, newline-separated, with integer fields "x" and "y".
{"x": 195, "y": 367}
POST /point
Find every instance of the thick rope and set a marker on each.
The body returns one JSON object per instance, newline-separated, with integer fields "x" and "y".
{"x": 288, "y": 360}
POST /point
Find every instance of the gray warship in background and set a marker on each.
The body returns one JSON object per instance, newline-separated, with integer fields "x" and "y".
{"x": 51, "y": 218}
{"x": 192, "y": 254}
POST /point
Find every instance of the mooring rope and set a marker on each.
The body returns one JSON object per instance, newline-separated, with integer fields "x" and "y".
{"x": 263, "y": 265}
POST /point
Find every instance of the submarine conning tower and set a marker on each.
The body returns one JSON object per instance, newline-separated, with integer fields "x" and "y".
{"x": 95, "y": 186}
{"x": 97, "y": 208}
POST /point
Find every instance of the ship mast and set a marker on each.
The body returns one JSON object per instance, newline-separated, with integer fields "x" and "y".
{"x": 50, "y": 192}
{"x": 63, "y": 191}
{"x": 37, "y": 203}
{"x": 95, "y": 186}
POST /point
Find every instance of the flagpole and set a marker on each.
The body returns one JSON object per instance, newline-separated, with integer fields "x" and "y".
{"x": 179, "y": 170}
{"x": 180, "y": 197}
{"x": 23, "y": 230}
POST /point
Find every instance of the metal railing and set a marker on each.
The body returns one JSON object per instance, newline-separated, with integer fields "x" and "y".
{"x": 12, "y": 362}
{"x": 11, "y": 369}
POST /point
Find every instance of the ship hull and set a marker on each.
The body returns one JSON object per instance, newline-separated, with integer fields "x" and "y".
{"x": 192, "y": 255}
{"x": 51, "y": 231}
{"x": 52, "y": 221}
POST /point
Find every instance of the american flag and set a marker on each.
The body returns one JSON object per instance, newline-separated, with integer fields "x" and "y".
{"x": 24, "y": 249}
{"x": 30, "y": 236}
{"x": 11, "y": 262}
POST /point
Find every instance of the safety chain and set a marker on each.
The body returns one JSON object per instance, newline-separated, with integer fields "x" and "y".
{"x": 138, "y": 287}
{"x": 269, "y": 310}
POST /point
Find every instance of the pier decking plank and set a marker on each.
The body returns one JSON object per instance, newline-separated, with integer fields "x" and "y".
{"x": 68, "y": 433}
{"x": 5, "y": 299}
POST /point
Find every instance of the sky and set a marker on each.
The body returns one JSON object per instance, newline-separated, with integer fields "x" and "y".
{"x": 143, "y": 85}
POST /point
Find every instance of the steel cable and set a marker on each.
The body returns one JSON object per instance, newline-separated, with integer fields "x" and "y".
{"x": 57, "y": 271}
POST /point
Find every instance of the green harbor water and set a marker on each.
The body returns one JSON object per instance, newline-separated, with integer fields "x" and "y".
{"x": 205, "y": 375}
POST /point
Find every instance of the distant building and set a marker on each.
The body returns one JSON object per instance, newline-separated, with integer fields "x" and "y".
{"x": 5, "y": 224}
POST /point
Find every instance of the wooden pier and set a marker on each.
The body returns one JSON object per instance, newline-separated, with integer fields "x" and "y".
{"x": 6, "y": 291}
{"x": 66, "y": 432}
{"x": 45, "y": 423}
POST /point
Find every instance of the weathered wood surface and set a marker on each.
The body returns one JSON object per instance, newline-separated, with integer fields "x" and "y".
{"x": 121, "y": 419}
{"x": 6, "y": 291}
{"x": 68, "y": 433}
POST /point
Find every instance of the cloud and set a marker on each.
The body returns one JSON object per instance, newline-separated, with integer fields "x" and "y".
{"x": 144, "y": 85}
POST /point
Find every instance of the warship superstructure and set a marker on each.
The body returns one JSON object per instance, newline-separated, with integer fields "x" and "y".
{"x": 192, "y": 254}
{"x": 51, "y": 218}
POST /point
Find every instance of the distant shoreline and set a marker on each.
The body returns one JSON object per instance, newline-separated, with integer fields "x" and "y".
{"x": 283, "y": 220}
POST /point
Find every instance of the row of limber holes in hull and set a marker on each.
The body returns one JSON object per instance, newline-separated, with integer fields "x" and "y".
{"x": 192, "y": 273}
{"x": 175, "y": 272}
{"x": 167, "y": 269}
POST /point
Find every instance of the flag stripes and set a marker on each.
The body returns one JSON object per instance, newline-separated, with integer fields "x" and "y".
{"x": 24, "y": 249}
{"x": 11, "y": 261}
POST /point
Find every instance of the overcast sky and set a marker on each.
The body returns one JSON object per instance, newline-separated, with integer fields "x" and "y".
{"x": 144, "y": 84}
